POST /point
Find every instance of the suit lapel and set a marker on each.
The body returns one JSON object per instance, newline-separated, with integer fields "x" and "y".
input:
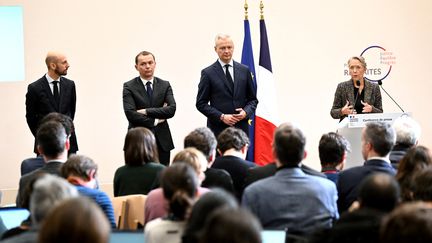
{"x": 220, "y": 72}
{"x": 350, "y": 90}
{"x": 368, "y": 92}
{"x": 142, "y": 90}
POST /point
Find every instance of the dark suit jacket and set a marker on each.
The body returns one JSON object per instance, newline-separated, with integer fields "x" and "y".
{"x": 40, "y": 101}
{"x": 237, "y": 168}
{"x": 53, "y": 167}
{"x": 215, "y": 96}
{"x": 31, "y": 164}
{"x": 135, "y": 98}
{"x": 345, "y": 91}
{"x": 350, "y": 179}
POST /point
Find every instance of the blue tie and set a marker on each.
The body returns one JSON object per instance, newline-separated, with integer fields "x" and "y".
{"x": 149, "y": 90}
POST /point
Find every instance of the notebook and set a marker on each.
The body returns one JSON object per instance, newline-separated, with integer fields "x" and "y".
{"x": 13, "y": 216}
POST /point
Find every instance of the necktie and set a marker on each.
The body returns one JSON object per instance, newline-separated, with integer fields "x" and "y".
{"x": 228, "y": 76}
{"x": 149, "y": 90}
{"x": 56, "y": 93}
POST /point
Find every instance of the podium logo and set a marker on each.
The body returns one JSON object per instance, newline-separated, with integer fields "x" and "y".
{"x": 379, "y": 63}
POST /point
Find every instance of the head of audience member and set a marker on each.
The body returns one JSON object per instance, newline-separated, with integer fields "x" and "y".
{"x": 145, "y": 64}
{"x": 233, "y": 141}
{"x": 204, "y": 140}
{"x": 66, "y": 121}
{"x": 422, "y": 185}
{"x": 379, "y": 191}
{"x": 289, "y": 145}
{"x": 407, "y": 131}
{"x": 333, "y": 149}
{"x": 80, "y": 170}
{"x": 65, "y": 225}
{"x": 194, "y": 158}
{"x": 206, "y": 204}
{"x": 224, "y": 47}
{"x": 378, "y": 139}
{"x": 231, "y": 226}
{"x": 140, "y": 147}
{"x": 52, "y": 141}
{"x": 411, "y": 222}
{"x": 180, "y": 184}
{"x": 57, "y": 64}
{"x": 416, "y": 159}
{"x": 48, "y": 192}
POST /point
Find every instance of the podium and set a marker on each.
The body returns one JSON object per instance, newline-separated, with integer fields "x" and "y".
{"x": 351, "y": 128}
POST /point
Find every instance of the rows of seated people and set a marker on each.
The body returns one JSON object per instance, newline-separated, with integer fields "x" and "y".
{"x": 202, "y": 197}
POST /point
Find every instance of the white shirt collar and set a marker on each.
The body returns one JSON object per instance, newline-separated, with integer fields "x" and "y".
{"x": 50, "y": 80}
{"x": 231, "y": 63}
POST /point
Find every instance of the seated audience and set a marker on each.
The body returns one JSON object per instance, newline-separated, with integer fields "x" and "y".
{"x": 231, "y": 226}
{"x": 422, "y": 185}
{"x": 333, "y": 150}
{"x": 80, "y": 171}
{"x": 415, "y": 160}
{"x": 411, "y": 222}
{"x": 140, "y": 174}
{"x": 65, "y": 225}
{"x": 291, "y": 199}
{"x": 208, "y": 203}
{"x": 233, "y": 147}
{"x": 179, "y": 183}
{"x": 156, "y": 204}
{"x": 53, "y": 145}
{"x": 407, "y": 135}
{"x": 377, "y": 140}
{"x": 204, "y": 140}
{"x": 48, "y": 192}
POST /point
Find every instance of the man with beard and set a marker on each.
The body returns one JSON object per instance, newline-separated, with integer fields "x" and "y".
{"x": 52, "y": 93}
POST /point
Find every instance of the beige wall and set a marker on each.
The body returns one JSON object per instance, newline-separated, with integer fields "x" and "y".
{"x": 309, "y": 41}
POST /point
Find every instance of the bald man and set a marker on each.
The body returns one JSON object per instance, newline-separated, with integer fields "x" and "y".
{"x": 52, "y": 93}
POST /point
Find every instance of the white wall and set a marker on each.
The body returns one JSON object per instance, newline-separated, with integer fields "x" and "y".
{"x": 309, "y": 40}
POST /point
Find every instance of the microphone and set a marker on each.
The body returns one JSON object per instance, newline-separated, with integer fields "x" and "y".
{"x": 358, "y": 93}
{"x": 380, "y": 84}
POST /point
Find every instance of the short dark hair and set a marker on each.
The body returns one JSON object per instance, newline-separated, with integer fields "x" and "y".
{"x": 230, "y": 138}
{"x": 202, "y": 139}
{"x": 379, "y": 191}
{"x": 411, "y": 222}
{"x": 66, "y": 121}
{"x": 381, "y": 136}
{"x": 78, "y": 165}
{"x": 140, "y": 147}
{"x": 179, "y": 183}
{"x": 144, "y": 53}
{"x": 289, "y": 143}
{"x": 51, "y": 137}
{"x": 422, "y": 185}
{"x": 332, "y": 147}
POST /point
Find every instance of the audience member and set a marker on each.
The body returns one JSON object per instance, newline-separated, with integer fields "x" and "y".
{"x": 377, "y": 140}
{"x": 411, "y": 222}
{"x": 208, "y": 203}
{"x": 231, "y": 226}
{"x": 333, "y": 149}
{"x": 416, "y": 159}
{"x": 179, "y": 183}
{"x": 156, "y": 204}
{"x": 204, "y": 140}
{"x": 65, "y": 225}
{"x": 233, "y": 146}
{"x": 422, "y": 185}
{"x": 291, "y": 199}
{"x": 407, "y": 134}
{"x": 80, "y": 170}
{"x": 140, "y": 174}
{"x": 48, "y": 192}
{"x": 53, "y": 144}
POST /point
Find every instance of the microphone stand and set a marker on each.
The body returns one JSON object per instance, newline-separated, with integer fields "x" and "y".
{"x": 380, "y": 84}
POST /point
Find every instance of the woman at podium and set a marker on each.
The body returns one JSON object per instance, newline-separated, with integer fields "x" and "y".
{"x": 357, "y": 95}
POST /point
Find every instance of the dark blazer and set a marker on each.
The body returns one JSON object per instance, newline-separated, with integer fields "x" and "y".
{"x": 215, "y": 96}
{"x": 345, "y": 91}
{"x": 350, "y": 179}
{"x": 53, "y": 167}
{"x": 40, "y": 101}
{"x": 31, "y": 164}
{"x": 135, "y": 98}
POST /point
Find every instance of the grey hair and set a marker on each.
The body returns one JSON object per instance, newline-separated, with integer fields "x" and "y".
{"x": 358, "y": 58}
{"x": 48, "y": 191}
{"x": 221, "y": 36}
{"x": 407, "y": 130}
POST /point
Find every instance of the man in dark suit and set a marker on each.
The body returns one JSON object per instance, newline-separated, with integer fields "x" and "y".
{"x": 378, "y": 139}
{"x": 52, "y": 93}
{"x": 226, "y": 93}
{"x": 53, "y": 145}
{"x": 148, "y": 101}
